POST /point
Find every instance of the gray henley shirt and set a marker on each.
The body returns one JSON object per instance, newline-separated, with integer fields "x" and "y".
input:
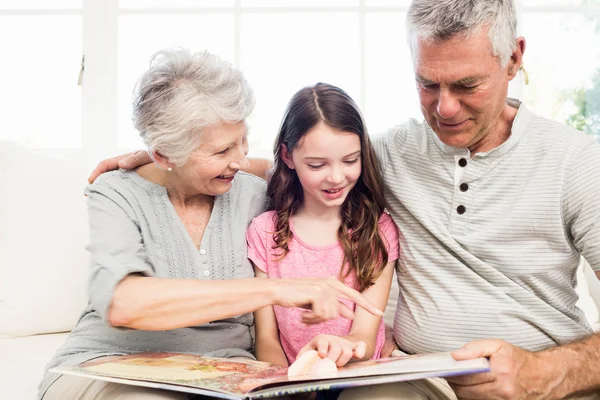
{"x": 134, "y": 228}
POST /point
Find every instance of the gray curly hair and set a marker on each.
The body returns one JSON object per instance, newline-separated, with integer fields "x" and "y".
{"x": 182, "y": 93}
{"x": 439, "y": 20}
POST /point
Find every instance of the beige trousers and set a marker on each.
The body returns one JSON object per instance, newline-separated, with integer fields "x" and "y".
{"x": 426, "y": 389}
{"x": 69, "y": 387}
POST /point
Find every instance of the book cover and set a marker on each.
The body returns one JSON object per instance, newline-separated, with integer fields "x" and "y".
{"x": 247, "y": 379}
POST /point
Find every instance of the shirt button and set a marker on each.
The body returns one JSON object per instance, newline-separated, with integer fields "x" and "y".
{"x": 461, "y": 209}
{"x": 462, "y": 162}
{"x": 206, "y": 273}
{"x": 204, "y": 261}
{"x": 202, "y": 251}
{"x": 464, "y": 187}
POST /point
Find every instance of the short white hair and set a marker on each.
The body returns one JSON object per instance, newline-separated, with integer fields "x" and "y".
{"x": 440, "y": 20}
{"x": 182, "y": 93}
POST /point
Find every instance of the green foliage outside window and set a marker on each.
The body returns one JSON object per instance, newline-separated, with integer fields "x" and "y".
{"x": 586, "y": 118}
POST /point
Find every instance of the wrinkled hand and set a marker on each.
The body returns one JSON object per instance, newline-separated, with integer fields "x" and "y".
{"x": 321, "y": 297}
{"x": 125, "y": 161}
{"x": 515, "y": 373}
{"x": 336, "y": 348}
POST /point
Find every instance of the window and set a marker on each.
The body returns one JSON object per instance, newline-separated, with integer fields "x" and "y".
{"x": 563, "y": 61}
{"x": 40, "y": 101}
{"x": 281, "y": 45}
{"x": 212, "y": 31}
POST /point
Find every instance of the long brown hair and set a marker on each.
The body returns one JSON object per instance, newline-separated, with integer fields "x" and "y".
{"x": 363, "y": 245}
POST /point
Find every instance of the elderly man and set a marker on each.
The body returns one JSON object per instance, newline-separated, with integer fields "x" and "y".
{"x": 495, "y": 206}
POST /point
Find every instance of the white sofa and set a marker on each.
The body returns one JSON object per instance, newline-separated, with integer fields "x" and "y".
{"x": 43, "y": 264}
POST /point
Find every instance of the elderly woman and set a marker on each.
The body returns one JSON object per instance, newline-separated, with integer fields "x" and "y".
{"x": 167, "y": 241}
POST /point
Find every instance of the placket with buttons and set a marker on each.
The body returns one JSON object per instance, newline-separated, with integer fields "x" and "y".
{"x": 459, "y": 213}
{"x": 204, "y": 258}
{"x": 204, "y": 267}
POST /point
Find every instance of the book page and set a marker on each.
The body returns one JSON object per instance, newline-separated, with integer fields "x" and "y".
{"x": 241, "y": 378}
{"x": 228, "y": 375}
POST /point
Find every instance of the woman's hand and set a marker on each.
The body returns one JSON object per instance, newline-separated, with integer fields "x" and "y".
{"x": 336, "y": 348}
{"x": 125, "y": 161}
{"x": 321, "y": 297}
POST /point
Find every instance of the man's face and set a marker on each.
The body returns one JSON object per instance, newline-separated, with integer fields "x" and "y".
{"x": 462, "y": 89}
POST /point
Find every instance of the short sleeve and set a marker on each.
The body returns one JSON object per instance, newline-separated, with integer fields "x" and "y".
{"x": 389, "y": 232}
{"x": 393, "y": 139}
{"x": 380, "y": 147}
{"x": 256, "y": 237}
{"x": 116, "y": 247}
{"x": 581, "y": 204}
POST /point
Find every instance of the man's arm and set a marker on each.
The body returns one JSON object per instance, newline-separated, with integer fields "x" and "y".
{"x": 555, "y": 373}
{"x": 577, "y": 365}
{"x": 258, "y": 166}
{"x": 125, "y": 161}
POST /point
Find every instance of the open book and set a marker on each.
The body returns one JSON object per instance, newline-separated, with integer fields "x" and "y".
{"x": 228, "y": 378}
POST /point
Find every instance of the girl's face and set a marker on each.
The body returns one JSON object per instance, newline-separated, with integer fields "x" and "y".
{"x": 328, "y": 164}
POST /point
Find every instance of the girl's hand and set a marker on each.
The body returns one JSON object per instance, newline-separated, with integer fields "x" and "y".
{"x": 336, "y": 348}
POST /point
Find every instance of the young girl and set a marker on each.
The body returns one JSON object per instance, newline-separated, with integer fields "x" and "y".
{"x": 326, "y": 219}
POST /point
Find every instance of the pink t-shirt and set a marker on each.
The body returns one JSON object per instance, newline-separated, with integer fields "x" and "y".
{"x": 306, "y": 261}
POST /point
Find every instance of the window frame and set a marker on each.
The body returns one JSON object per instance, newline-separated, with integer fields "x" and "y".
{"x": 100, "y": 24}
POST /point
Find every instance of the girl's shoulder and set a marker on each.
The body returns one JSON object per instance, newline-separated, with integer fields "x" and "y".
{"x": 265, "y": 221}
{"x": 389, "y": 231}
{"x": 386, "y": 221}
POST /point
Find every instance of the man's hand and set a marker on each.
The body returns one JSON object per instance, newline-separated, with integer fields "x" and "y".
{"x": 125, "y": 161}
{"x": 321, "y": 297}
{"x": 336, "y": 348}
{"x": 515, "y": 373}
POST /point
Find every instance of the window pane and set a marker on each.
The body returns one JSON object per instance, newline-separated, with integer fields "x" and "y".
{"x": 39, "y": 4}
{"x": 139, "y": 38}
{"x": 174, "y": 3}
{"x": 563, "y": 61}
{"x": 391, "y": 95}
{"x": 404, "y": 3}
{"x": 279, "y": 55}
{"x": 298, "y": 3}
{"x": 532, "y": 3}
{"x": 41, "y": 102}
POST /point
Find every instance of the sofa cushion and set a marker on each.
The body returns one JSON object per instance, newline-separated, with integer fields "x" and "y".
{"x": 588, "y": 289}
{"x": 19, "y": 378}
{"x": 43, "y": 233}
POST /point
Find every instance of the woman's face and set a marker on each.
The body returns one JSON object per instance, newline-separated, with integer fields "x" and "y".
{"x": 212, "y": 166}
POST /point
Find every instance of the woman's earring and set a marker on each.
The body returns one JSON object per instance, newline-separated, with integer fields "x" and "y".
{"x": 169, "y": 169}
